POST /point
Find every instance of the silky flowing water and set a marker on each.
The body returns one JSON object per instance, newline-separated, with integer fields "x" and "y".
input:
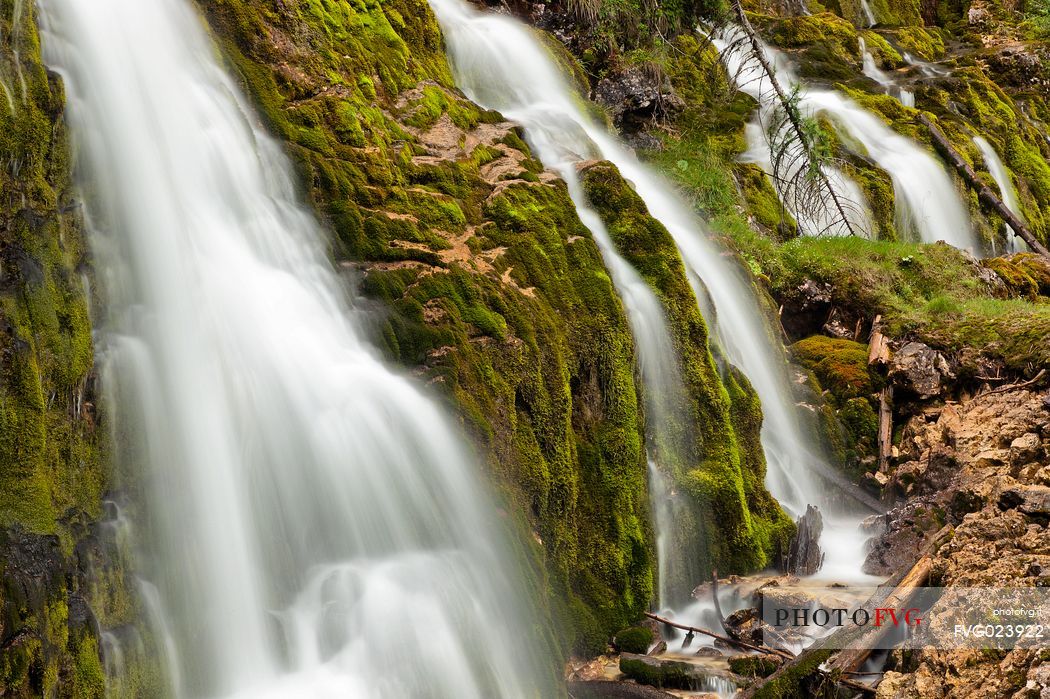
{"x": 888, "y": 82}
{"x": 928, "y": 204}
{"x": 313, "y": 523}
{"x": 1001, "y": 175}
{"x": 501, "y": 64}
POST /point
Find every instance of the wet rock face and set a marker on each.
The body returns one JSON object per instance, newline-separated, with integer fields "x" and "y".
{"x": 807, "y": 309}
{"x": 804, "y": 555}
{"x": 636, "y": 95}
{"x": 921, "y": 370}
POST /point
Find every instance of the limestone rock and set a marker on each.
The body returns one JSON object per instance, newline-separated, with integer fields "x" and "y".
{"x": 1026, "y": 448}
{"x": 920, "y": 369}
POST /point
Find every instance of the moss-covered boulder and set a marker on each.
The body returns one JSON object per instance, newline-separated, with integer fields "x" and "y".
{"x": 840, "y": 365}
{"x": 635, "y": 639}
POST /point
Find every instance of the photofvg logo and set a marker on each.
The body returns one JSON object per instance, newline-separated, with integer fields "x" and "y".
{"x": 821, "y": 617}
{"x": 929, "y": 617}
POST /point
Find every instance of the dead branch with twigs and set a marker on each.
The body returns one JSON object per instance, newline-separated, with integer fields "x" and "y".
{"x": 802, "y": 167}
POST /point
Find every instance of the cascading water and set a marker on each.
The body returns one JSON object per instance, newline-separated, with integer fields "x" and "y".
{"x": 1006, "y": 188}
{"x": 765, "y": 129}
{"x": 869, "y": 15}
{"x": 930, "y": 70}
{"x": 927, "y": 199}
{"x": 314, "y": 526}
{"x": 501, "y": 64}
{"x": 872, "y": 70}
{"x": 558, "y": 136}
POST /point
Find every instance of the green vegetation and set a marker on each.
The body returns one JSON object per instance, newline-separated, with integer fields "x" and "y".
{"x": 753, "y": 665}
{"x": 840, "y": 365}
{"x": 722, "y": 466}
{"x": 494, "y": 290}
{"x": 52, "y": 467}
{"x": 636, "y": 639}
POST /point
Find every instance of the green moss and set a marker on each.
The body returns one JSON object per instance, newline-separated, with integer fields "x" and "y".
{"x": 88, "y": 681}
{"x": 841, "y": 365}
{"x": 721, "y": 465}
{"x": 753, "y": 665}
{"x": 798, "y": 682}
{"x": 824, "y": 45}
{"x": 924, "y": 43}
{"x": 666, "y": 675}
{"x": 635, "y": 639}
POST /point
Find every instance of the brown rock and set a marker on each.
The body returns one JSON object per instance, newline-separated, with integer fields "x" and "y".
{"x": 1028, "y": 447}
{"x": 1029, "y": 499}
{"x": 920, "y": 369}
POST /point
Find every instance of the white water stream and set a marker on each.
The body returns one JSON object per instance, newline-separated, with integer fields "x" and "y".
{"x": 869, "y": 15}
{"x": 889, "y": 84}
{"x": 314, "y": 522}
{"x": 558, "y": 134}
{"x": 502, "y": 65}
{"x": 927, "y": 200}
{"x": 1007, "y": 192}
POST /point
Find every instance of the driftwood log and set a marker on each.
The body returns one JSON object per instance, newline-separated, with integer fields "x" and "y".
{"x": 984, "y": 192}
{"x": 879, "y": 359}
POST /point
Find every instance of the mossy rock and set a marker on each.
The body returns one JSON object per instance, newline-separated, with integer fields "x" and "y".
{"x": 1015, "y": 276}
{"x": 722, "y": 466}
{"x": 635, "y": 639}
{"x": 754, "y": 665}
{"x": 840, "y": 365}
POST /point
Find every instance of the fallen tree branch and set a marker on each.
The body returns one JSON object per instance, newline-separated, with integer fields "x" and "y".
{"x": 732, "y": 641}
{"x": 718, "y": 607}
{"x": 984, "y": 192}
{"x": 793, "y": 119}
{"x": 810, "y": 660}
{"x": 1015, "y": 386}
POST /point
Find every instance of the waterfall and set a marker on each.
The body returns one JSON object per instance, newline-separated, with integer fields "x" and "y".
{"x": 1006, "y": 188}
{"x": 869, "y": 15}
{"x": 872, "y": 70}
{"x": 754, "y": 82}
{"x": 929, "y": 70}
{"x": 927, "y": 200}
{"x": 559, "y": 135}
{"x": 314, "y": 525}
{"x": 501, "y": 64}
